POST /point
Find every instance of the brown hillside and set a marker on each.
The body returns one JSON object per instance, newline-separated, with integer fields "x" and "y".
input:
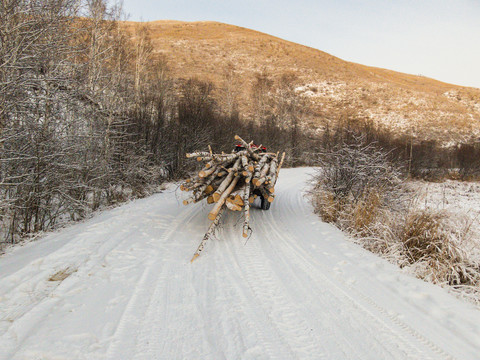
{"x": 332, "y": 87}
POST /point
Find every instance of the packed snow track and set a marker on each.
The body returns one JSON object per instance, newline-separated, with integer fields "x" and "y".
{"x": 121, "y": 286}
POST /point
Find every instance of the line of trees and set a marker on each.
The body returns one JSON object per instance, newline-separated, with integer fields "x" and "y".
{"x": 427, "y": 160}
{"x": 90, "y": 116}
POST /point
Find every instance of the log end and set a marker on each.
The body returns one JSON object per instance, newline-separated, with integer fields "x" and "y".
{"x": 270, "y": 199}
{"x": 237, "y": 137}
{"x": 216, "y": 197}
{"x": 185, "y": 202}
{"x": 210, "y": 200}
{"x": 271, "y": 189}
{"x": 212, "y": 216}
{"x": 194, "y": 257}
{"x": 245, "y": 235}
{"x": 202, "y": 174}
{"x": 209, "y": 189}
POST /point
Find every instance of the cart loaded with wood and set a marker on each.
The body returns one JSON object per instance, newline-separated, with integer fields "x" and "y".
{"x": 233, "y": 181}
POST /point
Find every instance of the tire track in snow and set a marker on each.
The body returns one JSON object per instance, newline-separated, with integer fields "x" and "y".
{"x": 313, "y": 266}
{"x": 352, "y": 313}
{"x": 272, "y": 341}
{"x": 141, "y": 297}
{"x": 273, "y": 298}
{"x": 30, "y": 316}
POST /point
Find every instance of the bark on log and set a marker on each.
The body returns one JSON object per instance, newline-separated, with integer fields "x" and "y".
{"x": 207, "y": 172}
{"x": 262, "y": 175}
{"x": 197, "y": 154}
{"x": 223, "y": 197}
{"x": 247, "y": 147}
{"x": 246, "y": 202}
{"x": 210, "y": 231}
{"x": 225, "y": 183}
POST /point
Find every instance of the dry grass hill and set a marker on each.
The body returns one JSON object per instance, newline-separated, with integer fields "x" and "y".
{"x": 232, "y": 57}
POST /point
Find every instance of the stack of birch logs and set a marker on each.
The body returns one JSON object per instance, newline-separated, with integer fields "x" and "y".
{"x": 233, "y": 181}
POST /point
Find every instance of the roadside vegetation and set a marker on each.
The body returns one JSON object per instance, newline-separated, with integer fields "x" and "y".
{"x": 364, "y": 190}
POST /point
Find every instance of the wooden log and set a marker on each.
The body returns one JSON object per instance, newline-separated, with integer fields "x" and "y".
{"x": 246, "y": 174}
{"x": 266, "y": 195}
{"x": 193, "y": 185}
{"x": 239, "y": 198}
{"x": 197, "y": 154}
{"x": 207, "y": 171}
{"x": 263, "y": 173}
{"x": 204, "y": 158}
{"x": 246, "y": 201}
{"x": 208, "y": 234}
{"x": 226, "y": 182}
{"x": 203, "y": 189}
{"x": 221, "y": 201}
{"x": 273, "y": 169}
{"x": 247, "y": 164}
{"x": 236, "y": 196}
{"x": 280, "y": 165}
{"x": 228, "y": 157}
{"x": 248, "y": 148}
{"x": 232, "y": 206}
{"x": 259, "y": 167}
{"x": 274, "y": 178}
{"x": 198, "y": 196}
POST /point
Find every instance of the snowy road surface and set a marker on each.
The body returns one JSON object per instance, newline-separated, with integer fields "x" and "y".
{"x": 120, "y": 286}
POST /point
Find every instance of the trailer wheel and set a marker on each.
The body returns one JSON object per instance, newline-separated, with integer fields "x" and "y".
{"x": 265, "y": 204}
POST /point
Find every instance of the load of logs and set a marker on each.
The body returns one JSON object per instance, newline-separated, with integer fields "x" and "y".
{"x": 233, "y": 181}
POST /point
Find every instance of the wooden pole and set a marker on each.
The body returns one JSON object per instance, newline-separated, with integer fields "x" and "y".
{"x": 246, "y": 202}
{"x": 207, "y": 235}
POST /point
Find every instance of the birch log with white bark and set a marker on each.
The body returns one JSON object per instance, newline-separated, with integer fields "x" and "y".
{"x": 208, "y": 234}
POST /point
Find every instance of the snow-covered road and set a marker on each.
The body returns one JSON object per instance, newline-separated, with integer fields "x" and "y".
{"x": 120, "y": 286}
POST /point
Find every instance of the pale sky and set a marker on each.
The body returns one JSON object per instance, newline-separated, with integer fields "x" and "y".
{"x": 435, "y": 38}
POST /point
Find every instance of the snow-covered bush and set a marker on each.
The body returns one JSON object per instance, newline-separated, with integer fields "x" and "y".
{"x": 353, "y": 182}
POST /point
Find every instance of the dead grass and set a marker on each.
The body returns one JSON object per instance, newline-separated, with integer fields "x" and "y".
{"x": 430, "y": 244}
{"x": 62, "y": 274}
{"x": 326, "y": 206}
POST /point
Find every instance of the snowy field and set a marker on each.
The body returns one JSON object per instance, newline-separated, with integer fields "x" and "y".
{"x": 459, "y": 199}
{"x": 120, "y": 286}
